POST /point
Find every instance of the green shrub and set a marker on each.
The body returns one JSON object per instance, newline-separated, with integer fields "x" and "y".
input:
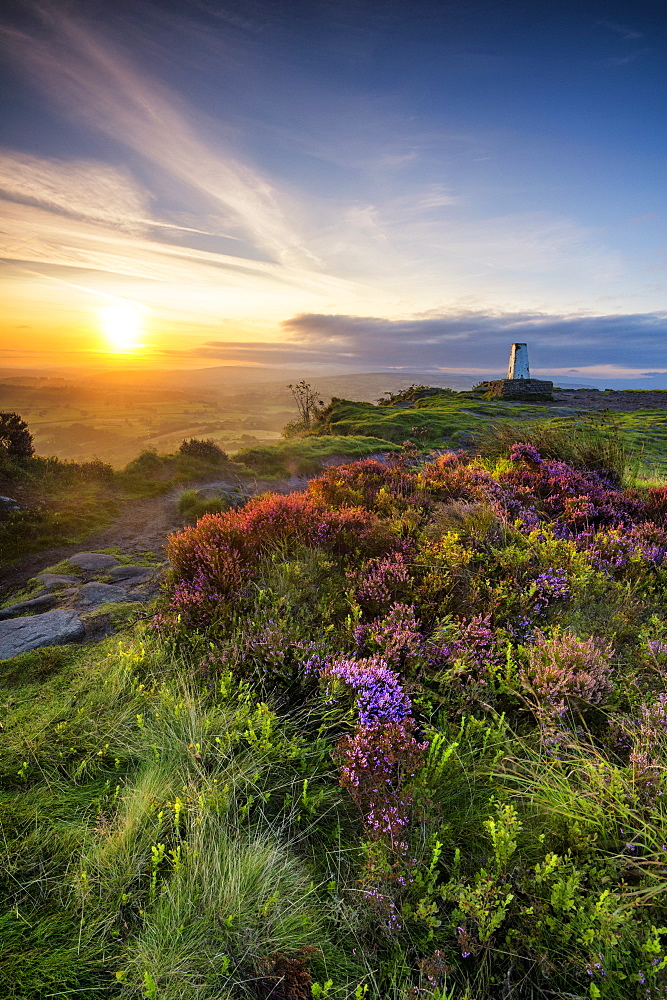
{"x": 192, "y": 505}
{"x": 206, "y": 451}
{"x": 15, "y": 437}
{"x": 263, "y": 461}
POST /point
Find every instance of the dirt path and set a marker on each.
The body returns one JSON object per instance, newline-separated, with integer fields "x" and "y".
{"x": 142, "y": 527}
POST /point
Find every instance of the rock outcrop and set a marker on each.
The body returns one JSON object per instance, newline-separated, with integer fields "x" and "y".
{"x": 53, "y": 628}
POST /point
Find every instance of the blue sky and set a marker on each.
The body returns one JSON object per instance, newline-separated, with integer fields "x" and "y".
{"x": 368, "y": 185}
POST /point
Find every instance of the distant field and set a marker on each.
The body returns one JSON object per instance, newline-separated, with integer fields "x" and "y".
{"x": 80, "y": 423}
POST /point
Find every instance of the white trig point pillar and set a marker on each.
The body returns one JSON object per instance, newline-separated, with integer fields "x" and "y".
{"x": 518, "y": 366}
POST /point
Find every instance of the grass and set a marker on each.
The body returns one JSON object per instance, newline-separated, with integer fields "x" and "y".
{"x": 192, "y": 505}
{"x": 256, "y": 891}
{"x": 305, "y": 456}
{"x": 449, "y": 419}
{"x": 585, "y": 442}
{"x": 100, "y": 777}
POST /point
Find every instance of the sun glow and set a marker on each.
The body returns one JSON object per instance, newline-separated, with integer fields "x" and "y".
{"x": 122, "y": 325}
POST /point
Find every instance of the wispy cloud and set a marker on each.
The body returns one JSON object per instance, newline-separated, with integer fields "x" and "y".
{"x": 630, "y": 34}
{"x": 94, "y": 82}
{"x": 83, "y": 189}
{"x": 123, "y": 256}
{"x": 89, "y": 190}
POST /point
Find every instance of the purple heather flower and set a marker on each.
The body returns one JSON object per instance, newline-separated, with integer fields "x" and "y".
{"x": 550, "y": 586}
{"x": 379, "y": 695}
{"x": 522, "y": 452}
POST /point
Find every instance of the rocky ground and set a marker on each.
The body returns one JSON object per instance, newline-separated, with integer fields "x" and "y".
{"x": 83, "y": 602}
{"x": 97, "y": 593}
{"x": 620, "y": 400}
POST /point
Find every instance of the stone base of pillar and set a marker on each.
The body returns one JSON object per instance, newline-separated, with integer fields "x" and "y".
{"x": 519, "y": 388}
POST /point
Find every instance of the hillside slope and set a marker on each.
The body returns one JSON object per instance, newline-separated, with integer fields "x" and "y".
{"x": 398, "y": 735}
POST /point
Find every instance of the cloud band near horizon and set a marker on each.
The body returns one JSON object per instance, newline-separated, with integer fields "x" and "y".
{"x": 473, "y": 341}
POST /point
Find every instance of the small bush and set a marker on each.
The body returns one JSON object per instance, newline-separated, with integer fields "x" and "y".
{"x": 147, "y": 463}
{"x": 15, "y": 436}
{"x": 206, "y": 451}
{"x": 566, "y": 672}
{"x": 192, "y": 505}
{"x": 262, "y": 461}
{"x": 413, "y": 394}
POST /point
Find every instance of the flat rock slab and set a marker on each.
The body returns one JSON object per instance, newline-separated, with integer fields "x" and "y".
{"x": 53, "y": 628}
{"x": 8, "y": 504}
{"x": 26, "y": 607}
{"x": 92, "y": 594}
{"x": 49, "y": 580}
{"x": 133, "y": 574}
{"x": 94, "y": 562}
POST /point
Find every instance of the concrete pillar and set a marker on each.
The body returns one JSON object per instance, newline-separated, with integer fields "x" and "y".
{"x": 518, "y": 366}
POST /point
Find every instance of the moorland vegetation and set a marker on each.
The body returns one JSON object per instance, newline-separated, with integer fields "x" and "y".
{"x": 400, "y": 735}
{"x": 60, "y": 502}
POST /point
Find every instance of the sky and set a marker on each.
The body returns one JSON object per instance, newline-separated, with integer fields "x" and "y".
{"x": 349, "y": 184}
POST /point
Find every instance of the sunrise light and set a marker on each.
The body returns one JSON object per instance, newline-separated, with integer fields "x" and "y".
{"x": 121, "y": 323}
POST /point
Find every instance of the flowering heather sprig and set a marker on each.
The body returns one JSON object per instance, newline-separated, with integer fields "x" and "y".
{"x": 549, "y": 587}
{"x": 473, "y": 642}
{"x": 563, "y": 670}
{"x": 375, "y": 762}
{"x": 378, "y": 692}
{"x": 451, "y": 460}
{"x": 655, "y": 504}
{"x": 213, "y": 577}
{"x": 381, "y": 580}
{"x": 521, "y": 629}
{"x": 396, "y": 636}
{"x": 384, "y": 906}
{"x": 651, "y": 542}
{"x": 647, "y": 732}
{"x": 383, "y": 751}
{"x": 271, "y": 655}
{"x": 468, "y": 943}
{"x": 513, "y": 507}
{"x": 522, "y": 452}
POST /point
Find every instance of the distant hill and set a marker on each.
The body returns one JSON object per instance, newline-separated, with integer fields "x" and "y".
{"x": 231, "y": 380}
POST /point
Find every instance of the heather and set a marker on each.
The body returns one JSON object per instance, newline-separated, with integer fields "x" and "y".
{"x": 402, "y": 734}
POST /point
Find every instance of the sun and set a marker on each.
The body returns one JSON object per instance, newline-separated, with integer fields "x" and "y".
{"x": 122, "y": 325}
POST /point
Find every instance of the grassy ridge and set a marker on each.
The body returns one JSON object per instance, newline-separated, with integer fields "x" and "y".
{"x": 452, "y": 419}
